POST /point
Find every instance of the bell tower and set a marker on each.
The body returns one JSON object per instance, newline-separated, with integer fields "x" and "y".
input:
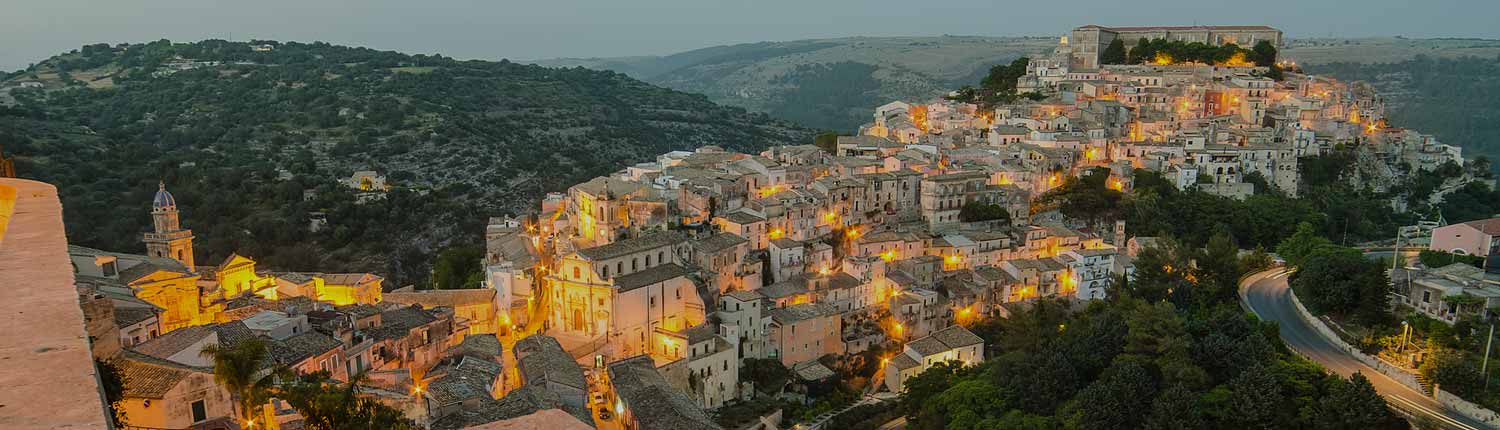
{"x": 168, "y": 239}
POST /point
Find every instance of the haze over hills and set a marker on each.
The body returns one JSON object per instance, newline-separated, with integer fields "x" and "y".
{"x": 832, "y": 83}
{"x": 824, "y": 83}
{"x": 239, "y": 133}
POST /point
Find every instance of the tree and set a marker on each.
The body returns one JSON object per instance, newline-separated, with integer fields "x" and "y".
{"x": 458, "y": 267}
{"x": 926, "y": 386}
{"x": 1141, "y": 52}
{"x": 328, "y": 405}
{"x": 1449, "y": 369}
{"x": 968, "y": 405}
{"x": 243, "y": 370}
{"x": 1435, "y": 259}
{"x": 1300, "y": 245}
{"x": 768, "y": 374}
{"x": 1256, "y": 400}
{"x": 1116, "y": 400}
{"x": 828, "y": 141}
{"x": 1342, "y": 281}
{"x": 1114, "y": 53}
{"x": 976, "y": 211}
{"x": 1176, "y": 409}
{"x": 113, "y": 384}
{"x": 1265, "y": 54}
{"x": 1353, "y": 404}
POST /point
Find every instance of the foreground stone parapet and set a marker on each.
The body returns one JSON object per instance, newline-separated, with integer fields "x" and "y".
{"x": 46, "y": 366}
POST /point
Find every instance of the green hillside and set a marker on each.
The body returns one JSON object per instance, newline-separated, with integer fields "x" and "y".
{"x": 225, "y": 125}
{"x": 825, "y": 83}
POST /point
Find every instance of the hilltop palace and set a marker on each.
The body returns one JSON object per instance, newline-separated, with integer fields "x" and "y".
{"x": 631, "y": 300}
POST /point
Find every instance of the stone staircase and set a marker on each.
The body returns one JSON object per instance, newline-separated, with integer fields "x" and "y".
{"x": 1426, "y": 384}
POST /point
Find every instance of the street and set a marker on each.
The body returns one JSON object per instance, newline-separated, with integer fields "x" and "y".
{"x": 1269, "y": 297}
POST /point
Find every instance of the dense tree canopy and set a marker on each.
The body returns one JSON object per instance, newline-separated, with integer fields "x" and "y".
{"x": 1169, "y": 349}
{"x": 224, "y": 125}
{"x": 1114, "y": 53}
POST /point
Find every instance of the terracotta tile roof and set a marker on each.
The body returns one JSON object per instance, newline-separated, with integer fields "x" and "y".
{"x": 631, "y": 246}
{"x": 449, "y": 298}
{"x": 151, "y": 378}
{"x": 1487, "y": 226}
{"x": 125, "y": 317}
{"x": 654, "y": 403}
{"x": 802, "y": 312}
{"x": 174, "y": 342}
{"x": 651, "y": 276}
{"x": 541, "y": 359}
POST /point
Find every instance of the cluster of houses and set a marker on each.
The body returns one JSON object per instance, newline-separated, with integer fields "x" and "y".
{"x": 1459, "y": 289}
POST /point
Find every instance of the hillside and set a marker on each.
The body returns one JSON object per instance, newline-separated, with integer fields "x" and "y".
{"x": 239, "y": 134}
{"x": 824, "y": 83}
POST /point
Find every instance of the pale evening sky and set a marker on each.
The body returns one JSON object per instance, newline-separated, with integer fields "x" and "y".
{"x": 31, "y": 30}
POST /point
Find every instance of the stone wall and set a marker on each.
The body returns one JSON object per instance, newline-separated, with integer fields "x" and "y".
{"x": 1403, "y": 376}
{"x": 1476, "y": 412}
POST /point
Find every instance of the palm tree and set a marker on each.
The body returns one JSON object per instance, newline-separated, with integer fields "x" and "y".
{"x": 242, "y": 369}
{"x": 327, "y": 405}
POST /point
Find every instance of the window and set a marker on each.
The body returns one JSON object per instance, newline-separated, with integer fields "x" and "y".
{"x": 606, "y": 271}
{"x": 648, "y": 260}
{"x": 110, "y": 269}
{"x": 576, "y": 273}
{"x": 200, "y": 411}
{"x": 1426, "y": 297}
{"x": 661, "y": 256}
{"x": 653, "y": 301}
{"x": 634, "y": 264}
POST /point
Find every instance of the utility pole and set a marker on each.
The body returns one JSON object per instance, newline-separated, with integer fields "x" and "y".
{"x": 1485, "y": 367}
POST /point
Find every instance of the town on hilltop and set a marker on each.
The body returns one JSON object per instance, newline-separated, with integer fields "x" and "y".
{"x": 661, "y": 296}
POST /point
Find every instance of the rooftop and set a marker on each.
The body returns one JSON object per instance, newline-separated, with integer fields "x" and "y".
{"x": 631, "y": 246}
{"x": 654, "y": 403}
{"x": 802, "y": 312}
{"x": 651, "y": 276}
{"x": 541, "y": 359}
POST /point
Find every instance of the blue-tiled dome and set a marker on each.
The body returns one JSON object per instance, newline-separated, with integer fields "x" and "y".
{"x": 163, "y": 198}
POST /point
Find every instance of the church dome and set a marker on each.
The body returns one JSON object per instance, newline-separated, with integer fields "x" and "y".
{"x": 163, "y": 198}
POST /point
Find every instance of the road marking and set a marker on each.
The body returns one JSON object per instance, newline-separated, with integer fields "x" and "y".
{"x": 1396, "y": 401}
{"x": 1439, "y": 416}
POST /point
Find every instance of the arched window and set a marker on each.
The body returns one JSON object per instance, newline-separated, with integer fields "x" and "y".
{"x": 576, "y": 273}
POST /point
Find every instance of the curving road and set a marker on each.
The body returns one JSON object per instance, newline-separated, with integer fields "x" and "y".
{"x": 1268, "y": 296}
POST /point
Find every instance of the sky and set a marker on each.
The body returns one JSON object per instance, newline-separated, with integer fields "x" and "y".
{"x": 32, "y": 30}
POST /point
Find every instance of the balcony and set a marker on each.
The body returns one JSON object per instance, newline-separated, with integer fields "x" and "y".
{"x": 168, "y": 236}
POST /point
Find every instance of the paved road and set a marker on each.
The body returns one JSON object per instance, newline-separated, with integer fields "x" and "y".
{"x": 1268, "y": 295}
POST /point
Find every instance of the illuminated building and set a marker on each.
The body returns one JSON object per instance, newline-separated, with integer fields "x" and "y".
{"x": 952, "y": 344}
{"x": 168, "y": 239}
{"x": 805, "y": 332}
{"x": 1090, "y": 41}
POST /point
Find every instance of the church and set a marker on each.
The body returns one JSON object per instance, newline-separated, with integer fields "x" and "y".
{"x": 184, "y": 294}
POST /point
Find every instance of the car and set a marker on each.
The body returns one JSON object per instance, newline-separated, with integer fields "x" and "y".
{"x": 598, "y": 398}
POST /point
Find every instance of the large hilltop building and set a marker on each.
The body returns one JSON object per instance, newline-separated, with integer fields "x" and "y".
{"x": 1090, "y": 40}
